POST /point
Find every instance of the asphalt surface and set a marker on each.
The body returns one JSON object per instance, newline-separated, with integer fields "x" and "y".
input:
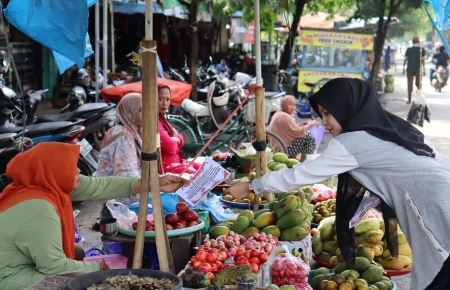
{"x": 436, "y": 132}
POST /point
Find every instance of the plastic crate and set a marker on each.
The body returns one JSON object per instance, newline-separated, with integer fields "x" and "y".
{"x": 113, "y": 261}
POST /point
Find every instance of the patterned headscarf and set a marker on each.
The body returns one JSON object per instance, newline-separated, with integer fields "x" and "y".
{"x": 286, "y": 101}
{"x": 126, "y": 112}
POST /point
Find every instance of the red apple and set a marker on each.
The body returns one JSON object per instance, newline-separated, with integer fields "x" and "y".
{"x": 254, "y": 253}
{"x": 254, "y": 260}
{"x": 263, "y": 257}
{"x": 182, "y": 207}
{"x": 210, "y": 276}
{"x": 204, "y": 267}
{"x": 171, "y": 219}
{"x": 241, "y": 260}
{"x": 254, "y": 267}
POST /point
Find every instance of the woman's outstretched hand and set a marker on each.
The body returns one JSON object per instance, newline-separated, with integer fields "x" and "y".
{"x": 238, "y": 189}
{"x": 103, "y": 266}
{"x": 170, "y": 183}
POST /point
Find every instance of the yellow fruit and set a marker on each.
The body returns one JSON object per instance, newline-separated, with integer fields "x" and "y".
{"x": 228, "y": 197}
{"x": 250, "y": 195}
{"x": 396, "y": 263}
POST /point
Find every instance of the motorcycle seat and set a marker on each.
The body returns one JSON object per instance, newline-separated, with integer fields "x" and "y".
{"x": 86, "y": 108}
{"x": 6, "y": 139}
{"x": 37, "y": 129}
{"x": 192, "y": 107}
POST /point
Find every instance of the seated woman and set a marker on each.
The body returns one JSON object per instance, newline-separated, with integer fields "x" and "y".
{"x": 40, "y": 240}
{"x": 296, "y": 138}
{"x": 121, "y": 146}
{"x": 173, "y": 159}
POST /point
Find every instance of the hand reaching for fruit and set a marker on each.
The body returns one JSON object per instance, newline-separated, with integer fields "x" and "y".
{"x": 238, "y": 189}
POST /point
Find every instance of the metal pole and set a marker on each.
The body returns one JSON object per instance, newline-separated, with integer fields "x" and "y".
{"x": 113, "y": 56}
{"x": 105, "y": 43}
{"x": 97, "y": 48}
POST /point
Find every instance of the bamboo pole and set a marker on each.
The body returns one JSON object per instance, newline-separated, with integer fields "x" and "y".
{"x": 261, "y": 162}
{"x": 149, "y": 145}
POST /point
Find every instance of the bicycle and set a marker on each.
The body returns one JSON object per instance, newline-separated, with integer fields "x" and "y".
{"x": 240, "y": 130}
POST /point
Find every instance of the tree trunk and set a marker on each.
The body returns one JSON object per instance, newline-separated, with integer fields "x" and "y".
{"x": 285, "y": 58}
{"x": 193, "y": 9}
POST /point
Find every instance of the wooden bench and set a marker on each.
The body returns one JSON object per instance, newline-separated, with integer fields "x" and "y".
{"x": 182, "y": 248}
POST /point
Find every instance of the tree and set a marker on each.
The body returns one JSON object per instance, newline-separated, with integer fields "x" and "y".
{"x": 192, "y": 17}
{"x": 368, "y": 9}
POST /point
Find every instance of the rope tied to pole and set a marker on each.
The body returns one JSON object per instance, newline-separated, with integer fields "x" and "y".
{"x": 136, "y": 57}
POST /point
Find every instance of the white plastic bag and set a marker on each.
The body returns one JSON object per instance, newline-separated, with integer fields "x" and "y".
{"x": 122, "y": 213}
{"x": 417, "y": 110}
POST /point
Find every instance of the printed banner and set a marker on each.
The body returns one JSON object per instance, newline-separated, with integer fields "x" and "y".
{"x": 336, "y": 39}
{"x": 314, "y": 76}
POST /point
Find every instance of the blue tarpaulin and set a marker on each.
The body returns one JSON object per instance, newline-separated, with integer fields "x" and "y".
{"x": 59, "y": 25}
{"x": 441, "y": 19}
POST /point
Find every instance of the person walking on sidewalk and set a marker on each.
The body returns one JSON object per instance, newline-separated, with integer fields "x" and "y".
{"x": 414, "y": 57}
{"x": 387, "y": 58}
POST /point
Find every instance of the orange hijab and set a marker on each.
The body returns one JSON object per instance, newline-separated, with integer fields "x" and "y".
{"x": 46, "y": 171}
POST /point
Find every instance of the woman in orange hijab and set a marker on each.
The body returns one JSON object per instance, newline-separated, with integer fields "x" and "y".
{"x": 37, "y": 233}
{"x": 296, "y": 137}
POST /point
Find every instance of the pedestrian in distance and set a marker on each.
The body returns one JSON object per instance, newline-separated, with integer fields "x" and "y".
{"x": 373, "y": 150}
{"x": 414, "y": 59}
{"x": 387, "y": 59}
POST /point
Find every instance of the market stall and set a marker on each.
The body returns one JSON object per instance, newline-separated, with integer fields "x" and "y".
{"x": 328, "y": 54}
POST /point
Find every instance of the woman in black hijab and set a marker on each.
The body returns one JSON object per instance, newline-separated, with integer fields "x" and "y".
{"x": 376, "y": 151}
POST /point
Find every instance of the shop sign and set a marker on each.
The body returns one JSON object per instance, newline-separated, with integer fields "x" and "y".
{"x": 176, "y": 9}
{"x": 336, "y": 39}
{"x": 241, "y": 34}
{"x": 314, "y": 76}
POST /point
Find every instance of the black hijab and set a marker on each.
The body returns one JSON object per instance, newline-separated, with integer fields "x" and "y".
{"x": 355, "y": 106}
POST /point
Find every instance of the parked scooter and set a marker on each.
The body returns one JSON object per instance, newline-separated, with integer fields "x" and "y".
{"x": 439, "y": 78}
{"x": 15, "y": 119}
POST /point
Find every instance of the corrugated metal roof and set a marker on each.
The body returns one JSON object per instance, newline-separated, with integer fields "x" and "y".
{"x": 133, "y": 8}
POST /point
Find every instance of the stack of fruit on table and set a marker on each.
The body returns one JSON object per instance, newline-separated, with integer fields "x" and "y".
{"x": 280, "y": 161}
{"x": 362, "y": 276}
{"x": 369, "y": 233}
{"x": 288, "y": 218}
{"x": 183, "y": 218}
{"x": 324, "y": 209}
{"x": 230, "y": 250}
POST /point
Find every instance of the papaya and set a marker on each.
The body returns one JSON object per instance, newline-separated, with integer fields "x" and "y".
{"x": 250, "y": 232}
{"x": 272, "y": 230}
{"x": 367, "y": 225}
{"x": 260, "y": 212}
{"x": 218, "y": 231}
{"x": 286, "y": 205}
{"x": 291, "y": 219}
{"x": 293, "y": 234}
{"x": 372, "y": 274}
{"x": 264, "y": 220}
{"x": 248, "y": 213}
{"x": 241, "y": 224}
{"x": 281, "y": 196}
{"x": 272, "y": 204}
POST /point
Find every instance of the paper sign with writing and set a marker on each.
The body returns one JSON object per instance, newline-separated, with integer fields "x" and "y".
{"x": 208, "y": 176}
{"x": 368, "y": 202}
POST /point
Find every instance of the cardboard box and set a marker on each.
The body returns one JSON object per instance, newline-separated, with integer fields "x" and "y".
{"x": 301, "y": 248}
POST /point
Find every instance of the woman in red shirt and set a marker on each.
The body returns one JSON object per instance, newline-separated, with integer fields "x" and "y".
{"x": 171, "y": 141}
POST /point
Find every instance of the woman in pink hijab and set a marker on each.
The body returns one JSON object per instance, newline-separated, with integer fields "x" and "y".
{"x": 296, "y": 137}
{"x": 121, "y": 146}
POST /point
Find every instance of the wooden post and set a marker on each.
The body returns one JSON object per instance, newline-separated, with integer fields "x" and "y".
{"x": 261, "y": 162}
{"x": 150, "y": 168}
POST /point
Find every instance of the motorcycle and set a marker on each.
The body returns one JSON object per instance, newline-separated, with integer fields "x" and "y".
{"x": 439, "y": 78}
{"x": 14, "y": 118}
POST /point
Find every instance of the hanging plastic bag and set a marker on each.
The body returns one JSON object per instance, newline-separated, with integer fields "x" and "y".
{"x": 417, "y": 110}
{"x": 122, "y": 213}
{"x": 290, "y": 270}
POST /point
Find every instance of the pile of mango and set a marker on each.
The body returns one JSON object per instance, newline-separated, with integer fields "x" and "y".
{"x": 280, "y": 161}
{"x": 250, "y": 198}
{"x": 363, "y": 275}
{"x": 288, "y": 218}
{"x": 324, "y": 209}
{"x": 369, "y": 233}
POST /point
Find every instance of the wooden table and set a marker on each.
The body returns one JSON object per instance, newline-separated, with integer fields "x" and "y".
{"x": 182, "y": 248}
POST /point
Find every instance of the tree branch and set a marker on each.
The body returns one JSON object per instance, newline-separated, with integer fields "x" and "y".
{"x": 184, "y": 3}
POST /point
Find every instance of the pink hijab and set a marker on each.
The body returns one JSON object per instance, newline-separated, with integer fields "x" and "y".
{"x": 285, "y": 101}
{"x": 126, "y": 112}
